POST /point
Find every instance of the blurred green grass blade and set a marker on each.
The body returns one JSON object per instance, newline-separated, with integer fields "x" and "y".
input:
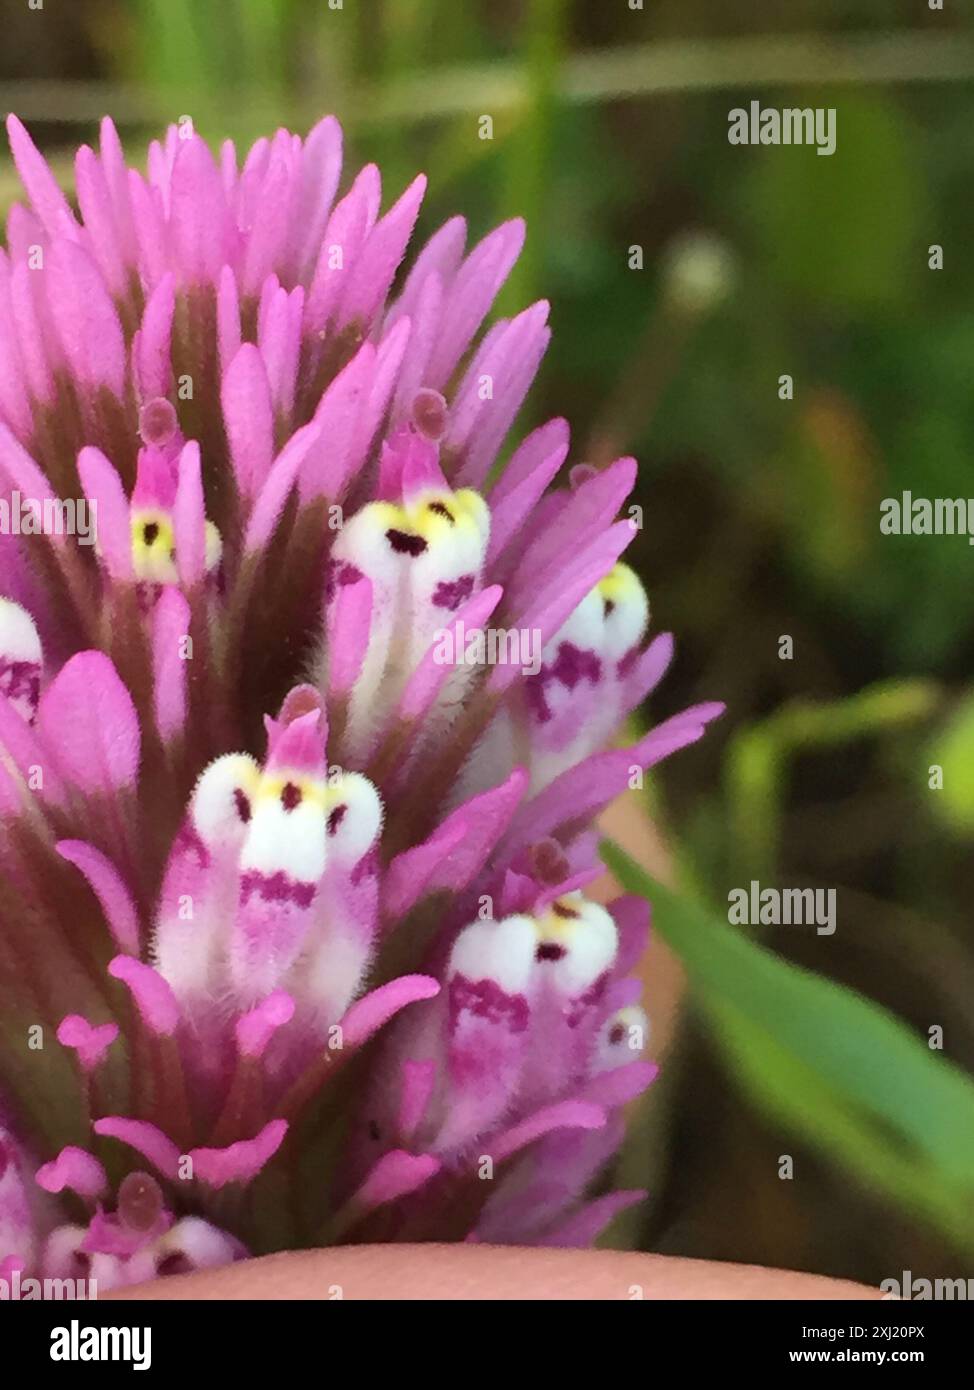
{"x": 822, "y": 209}
{"x": 952, "y": 750}
{"x": 786, "y": 1087}
{"x": 528, "y": 151}
{"x": 263, "y": 31}
{"x": 758, "y": 757}
{"x": 849, "y": 1075}
{"x": 177, "y": 52}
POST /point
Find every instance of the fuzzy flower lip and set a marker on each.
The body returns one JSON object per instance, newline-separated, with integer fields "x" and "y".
{"x": 303, "y": 904}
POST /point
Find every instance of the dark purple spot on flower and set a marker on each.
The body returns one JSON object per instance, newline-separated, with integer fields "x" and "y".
{"x": 571, "y": 665}
{"x": 175, "y": 1263}
{"x": 336, "y": 818}
{"x": 450, "y": 593}
{"x": 616, "y": 1034}
{"x": 550, "y": 950}
{"x": 560, "y": 910}
{"x": 487, "y": 1000}
{"x": 242, "y": 802}
{"x": 608, "y": 606}
{"x": 276, "y": 888}
{"x": 404, "y": 543}
{"x": 20, "y": 678}
{"x": 150, "y": 532}
{"x": 338, "y": 573}
{"x": 290, "y": 796}
{"x": 441, "y": 510}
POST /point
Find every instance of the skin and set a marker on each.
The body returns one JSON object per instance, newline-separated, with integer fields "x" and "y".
{"x": 465, "y": 1272}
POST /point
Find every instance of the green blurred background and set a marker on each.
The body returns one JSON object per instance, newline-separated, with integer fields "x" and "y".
{"x": 761, "y": 515}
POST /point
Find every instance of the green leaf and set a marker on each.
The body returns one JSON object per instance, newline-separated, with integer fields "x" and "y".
{"x": 830, "y": 1064}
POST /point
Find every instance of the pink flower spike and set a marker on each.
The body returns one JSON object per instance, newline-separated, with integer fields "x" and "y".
{"x": 368, "y": 1014}
{"x": 89, "y": 1041}
{"x": 76, "y": 1170}
{"x": 240, "y": 1162}
{"x": 313, "y": 531}
{"x": 153, "y": 995}
{"x": 146, "y": 1138}
{"x": 255, "y": 1029}
{"x": 109, "y": 887}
